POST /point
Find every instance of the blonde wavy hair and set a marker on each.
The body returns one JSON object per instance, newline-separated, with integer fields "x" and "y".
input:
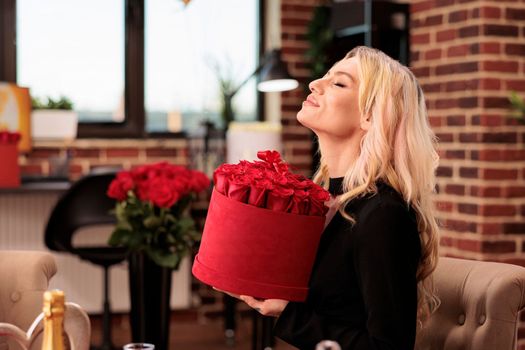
{"x": 400, "y": 149}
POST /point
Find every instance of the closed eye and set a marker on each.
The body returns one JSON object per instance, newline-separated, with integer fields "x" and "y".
{"x": 339, "y": 85}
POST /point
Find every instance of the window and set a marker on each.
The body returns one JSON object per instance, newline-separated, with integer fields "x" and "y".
{"x": 133, "y": 67}
{"x": 185, "y": 50}
{"x": 61, "y": 53}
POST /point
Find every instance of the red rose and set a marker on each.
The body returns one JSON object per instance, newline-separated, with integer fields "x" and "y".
{"x": 299, "y": 203}
{"x": 269, "y": 156}
{"x": 7, "y": 137}
{"x": 225, "y": 174}
{"x": 273, "y": 160}
{"x": 279, "y": 199}
{"x": 281, "y": 167}
{"x": 198, "y": 181}
{"x": 115, "y": 191}
{"x": 318, "y": 197}
{"x": 255, "y": 173}
{"x": 161, "y": 193}
{"x": 126, "y": 180}
{"x": 140, "y": 174}
{"x": 142, "y": 191}
{"x": 119, "y": 187}
{"x": 181, "y": 184}
{"x": 299, "y": 182}
{"x": 14, "y": 137}
{"x": 281, "y": 180}
{"x": 258, "y": 192}
{"x": 221, "y": 178}
{"x": 239, "y": 188}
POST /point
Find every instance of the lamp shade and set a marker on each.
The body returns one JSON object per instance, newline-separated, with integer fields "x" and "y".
{"x": 274, "y": 75}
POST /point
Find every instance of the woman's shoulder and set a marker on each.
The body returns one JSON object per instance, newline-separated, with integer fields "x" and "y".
{"x": 385, "y": 204}
{"x": 382, "y": 218}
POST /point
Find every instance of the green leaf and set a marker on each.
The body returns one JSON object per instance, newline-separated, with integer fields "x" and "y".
{"x": 120, "y": 212}
{"x": 119, "y": 237}
{"x": 518, "y": 107}
{"x": 185, "y": 224}
{"x": 62, "y": 103}
{"x": 152, "y": 222}
{"x": 136, "y": 240}
{"x": 170, "y": 239}
{"x": 170, "y": 218}
{"x": 164, "y": 259}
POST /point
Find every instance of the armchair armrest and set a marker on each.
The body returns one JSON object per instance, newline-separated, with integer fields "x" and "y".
{"x": 76, "y": 327}
{"x": 24, "y": 277}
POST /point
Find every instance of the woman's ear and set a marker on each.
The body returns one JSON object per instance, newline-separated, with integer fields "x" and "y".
{"x": 365, "y": 122}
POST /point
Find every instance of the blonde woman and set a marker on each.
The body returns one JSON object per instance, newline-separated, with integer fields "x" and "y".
{"x": 371, "y": 282}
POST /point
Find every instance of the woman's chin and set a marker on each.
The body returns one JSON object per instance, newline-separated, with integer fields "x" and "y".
{"x": 305, "y": 119}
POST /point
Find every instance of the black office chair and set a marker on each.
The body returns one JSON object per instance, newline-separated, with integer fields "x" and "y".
{"x": 86, "y": 204}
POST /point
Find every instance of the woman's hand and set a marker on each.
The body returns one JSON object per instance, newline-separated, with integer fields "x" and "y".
{"x": 267, "y": 307}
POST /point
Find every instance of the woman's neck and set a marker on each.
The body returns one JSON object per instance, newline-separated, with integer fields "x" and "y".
{"x": 339, "y": 155}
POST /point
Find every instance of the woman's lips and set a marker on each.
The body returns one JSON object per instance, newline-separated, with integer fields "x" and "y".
{"x": 310, "y": 101}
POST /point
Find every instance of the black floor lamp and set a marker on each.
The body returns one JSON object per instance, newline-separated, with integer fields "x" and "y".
{"x": 274, "y": 77}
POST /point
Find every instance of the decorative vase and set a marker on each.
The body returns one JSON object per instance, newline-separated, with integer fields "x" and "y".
{"x": 150, "y": 290}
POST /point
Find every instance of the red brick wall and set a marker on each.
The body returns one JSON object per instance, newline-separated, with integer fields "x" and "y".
{"x": 295, "y": 16}
{"x": 87, "y": 154}
{"x": 468, "y": 56}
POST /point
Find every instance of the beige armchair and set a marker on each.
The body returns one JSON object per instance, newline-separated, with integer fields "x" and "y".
{"x": 480, "y": 302}
{"x": 24, "y": 276}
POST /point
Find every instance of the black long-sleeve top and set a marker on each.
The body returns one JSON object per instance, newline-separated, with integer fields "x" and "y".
{"x": 363, "y": 289}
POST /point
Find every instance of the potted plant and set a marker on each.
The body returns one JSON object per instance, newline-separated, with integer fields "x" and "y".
{"x": 53, "y": 119}
{"x": 153, "y": 222}
{"x": 518, "y": 107}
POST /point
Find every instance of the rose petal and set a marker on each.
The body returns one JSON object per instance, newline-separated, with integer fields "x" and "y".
{"x": 279, "y": 199}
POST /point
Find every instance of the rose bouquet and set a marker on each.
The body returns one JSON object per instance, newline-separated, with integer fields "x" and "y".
{"x": 9, "y": 137}
{"x": 151, "y": 210}
{"x": 269, "y": 184}
{"x": 262, "y": 229}
{"x": 10, "y": 170}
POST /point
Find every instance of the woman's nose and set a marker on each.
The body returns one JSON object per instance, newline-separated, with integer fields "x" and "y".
{"x": 315, "y": 86}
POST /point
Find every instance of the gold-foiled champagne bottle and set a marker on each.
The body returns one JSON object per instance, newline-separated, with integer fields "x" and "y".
{"x": 53, "y": 320}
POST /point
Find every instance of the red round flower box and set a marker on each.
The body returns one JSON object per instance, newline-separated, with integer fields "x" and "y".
{"x": 256, "y": 251}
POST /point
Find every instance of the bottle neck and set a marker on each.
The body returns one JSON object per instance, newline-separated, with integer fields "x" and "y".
{"x": 53, "y": 338}
{"x": 53, "y": 320}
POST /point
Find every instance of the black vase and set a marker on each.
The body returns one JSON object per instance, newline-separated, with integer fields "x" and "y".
{"x": 150, "y": 290}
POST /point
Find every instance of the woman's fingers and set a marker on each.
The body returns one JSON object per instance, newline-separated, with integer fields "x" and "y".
{"x": 252, "y": 302}
{"x": 268, "y": 307}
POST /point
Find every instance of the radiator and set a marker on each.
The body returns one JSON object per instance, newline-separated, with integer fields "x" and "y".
{"x": 23, "y": 217}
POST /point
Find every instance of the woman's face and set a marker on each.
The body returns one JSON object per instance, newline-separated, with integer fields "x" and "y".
{"x": 332, "y": 107}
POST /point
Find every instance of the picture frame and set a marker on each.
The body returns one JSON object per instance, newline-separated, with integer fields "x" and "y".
{"x": 15, "y": 113}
